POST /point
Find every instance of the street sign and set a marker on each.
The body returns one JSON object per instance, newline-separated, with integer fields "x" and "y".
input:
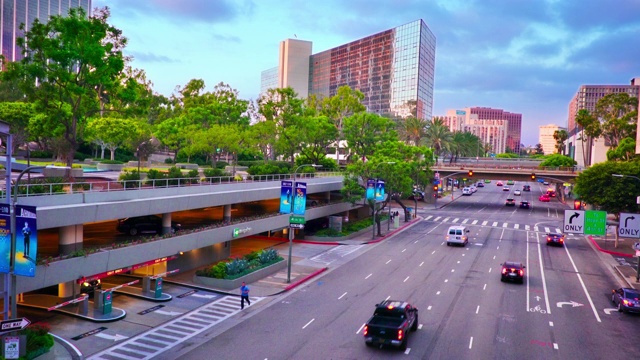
{"x": 595, "y": 222}
{"x": 629, "y": 225}
{"x": 636, "y": 246}
{"x": 296, "y": 219}
{"x": 574, "y": 221}
{"x": 13, "y": 324}
{"x": 296, "y": 226}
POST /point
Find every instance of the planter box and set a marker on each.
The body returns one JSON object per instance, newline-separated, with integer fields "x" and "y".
{"x": 113, "y": 167}
{"x": 59, "y": 173}
{"x": 368, "y": 230}
{"x": 236, "y": 283}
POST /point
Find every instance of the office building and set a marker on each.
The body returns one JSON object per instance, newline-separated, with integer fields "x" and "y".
{"x": 16, "y": 12}
{"x": 592, "y": 151}
{"x": 394, "y": 69}
{"x": 546, "y": 139}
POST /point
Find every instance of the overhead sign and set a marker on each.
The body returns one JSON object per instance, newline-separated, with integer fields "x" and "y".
{"x": 574, "y": 221}
{"x": 595, "y": 222}
{"x": 629, "y": 225}
{"x": 13, "y": 324}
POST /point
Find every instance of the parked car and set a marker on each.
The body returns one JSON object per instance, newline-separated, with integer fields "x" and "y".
{"x": 626, "y": 299}
{"x": 524, "y": 205}
{"x": 390, "y": 324}
{"x": 473, "y": 188}
{"x": 517, "y": 192}
{"x": 555, "y": 239}
{"x": 149, "y": 224}
{"x": 510, "y": 202}
{"x": 544, "y": 198}
{"x": 417, "y": 195}
{"x": 512, "y": 271}
{"x": 526, "y": 188}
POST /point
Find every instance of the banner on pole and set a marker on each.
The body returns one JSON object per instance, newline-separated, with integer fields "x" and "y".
{"x": 300, "y": 202}
{"x": 5, "y": 239}
{"x": 26, "y": 240}
{"x": 371, "y": 189}
{"x": 379, "y": 190}
{"x": 286, "y": 196}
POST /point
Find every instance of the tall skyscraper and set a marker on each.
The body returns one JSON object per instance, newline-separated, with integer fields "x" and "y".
{"x": 16, "y": 12}
{"x": 394, "y": 69}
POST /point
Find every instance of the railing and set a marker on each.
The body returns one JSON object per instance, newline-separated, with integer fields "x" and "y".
{"x": 107, "y": 185}
{"x": 507, "y": 166}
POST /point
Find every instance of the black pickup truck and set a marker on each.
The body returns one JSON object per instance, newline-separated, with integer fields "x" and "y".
{"x": 390, "y": 324}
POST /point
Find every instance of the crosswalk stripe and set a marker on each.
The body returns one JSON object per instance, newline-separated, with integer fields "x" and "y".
{"x": 535, "y": 228}
{"x": 517, "y": 226}
{"x": 455, "y": 220}
{"x": 445, "y": 220}
{"x": 495, "y": 223}
{"x": 527, "y": 227}
{"x": 558, "y": 231}
{"x": 484, "y": 223}
{"x": 505, "y": 225}
{"x": 465, "y": 221}
{"x": 474, "y": 222}
{"x": 438, "y": 218}
{"x": 546, "y": 229}
{"x": 428, "y": 217}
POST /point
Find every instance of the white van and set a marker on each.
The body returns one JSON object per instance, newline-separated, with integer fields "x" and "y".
{"x": 467, "y": 191}
{"x": 457, "y": 235}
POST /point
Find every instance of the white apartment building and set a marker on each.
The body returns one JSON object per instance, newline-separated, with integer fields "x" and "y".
{"x": 492, "y": 132}
{"x": 545, "y": 138}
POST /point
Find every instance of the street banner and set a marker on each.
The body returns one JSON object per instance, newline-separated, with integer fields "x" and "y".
{"x": 286, "y": 196}
{"x": 26, "y": 240}
{"x": 379, "y": 190}
{"x": 5, "y": 239}
{"x": 371, "y": 189}
{"x": 300, "y": 202}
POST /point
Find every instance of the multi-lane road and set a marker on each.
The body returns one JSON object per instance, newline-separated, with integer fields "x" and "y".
{"x": 562, "y": 310}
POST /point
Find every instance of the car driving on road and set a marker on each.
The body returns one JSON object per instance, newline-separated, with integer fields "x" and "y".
{"x": 512, "y": 271}
{"x": 555, "y": 239}
{"x": 524, "y": 205}
{"x": 390, "y": 324}
{"x": 510, "y": 202}
{"x": 544, "y": 198}
{"x": 626, "y": 299}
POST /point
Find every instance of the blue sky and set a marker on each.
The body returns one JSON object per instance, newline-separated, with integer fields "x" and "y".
{"x": 523, "y": 56}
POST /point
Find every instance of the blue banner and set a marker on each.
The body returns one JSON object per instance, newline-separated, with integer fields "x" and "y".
{"x": 300, "y": 202}
{"x": 286, "y": 196}
{"x": 371, "y": 185}
{"x": 5, "y": 239}
{"x": 379, "y": 190}
{"x": 26, "y": 240}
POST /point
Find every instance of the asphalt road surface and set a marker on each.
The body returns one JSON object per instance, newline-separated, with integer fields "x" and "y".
{"x": 562, "y": 311}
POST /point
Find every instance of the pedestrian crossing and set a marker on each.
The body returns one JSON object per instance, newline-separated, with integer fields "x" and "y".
{"x": 496, "y": 224}
{"x": 163, "y": 337}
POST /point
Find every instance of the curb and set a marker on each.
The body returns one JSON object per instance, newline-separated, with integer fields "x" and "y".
{"x": 304, "y": 279}
{"x": 608, "y": 251}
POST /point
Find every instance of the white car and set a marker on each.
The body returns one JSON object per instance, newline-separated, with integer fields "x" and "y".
{"x": 466, "y": 191}
{"x": 473, "y": 188}
{"x": 517, "y": 192}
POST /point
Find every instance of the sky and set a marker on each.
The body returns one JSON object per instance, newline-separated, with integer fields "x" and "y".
{"x": 522, "y": 56}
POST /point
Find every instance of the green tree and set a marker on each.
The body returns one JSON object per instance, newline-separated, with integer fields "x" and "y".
{"x": 260, "y": 136}
{"x": 68, "y": 64}
{"x": 17, "y": 115}
{"x": 557, "y": 160}
{"x": 538, "y": 149}
{"x": 318, "y": 133}
{"x": 438, "y": 137}
{"x": 110, "y": 133}
{"x": 589, "y": 129}
{"x": 625, "y": 151}
{"x": 411, "y": 130}
{"x": 617, "y": 113}
{"x": 284, "y": 108}
{"x": 364, "y": 132}
{"x": 560, "y": 136}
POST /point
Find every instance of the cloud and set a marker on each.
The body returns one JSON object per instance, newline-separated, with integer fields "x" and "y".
{"x": 148, "y": 57}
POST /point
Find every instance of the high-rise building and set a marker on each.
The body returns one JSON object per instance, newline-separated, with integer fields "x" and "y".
{"x": 394, "y": 69}
{"x": 546, "y": 139}
{"x": 592, "y": 151}
{"x": 16, "y": 12}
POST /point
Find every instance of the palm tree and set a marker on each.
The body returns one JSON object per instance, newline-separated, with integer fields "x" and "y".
{"x": 560, "y": 136}
{"x": 438, "y": 137}
{"x": 412, "y": 129}
{"x": 464, "y": 144}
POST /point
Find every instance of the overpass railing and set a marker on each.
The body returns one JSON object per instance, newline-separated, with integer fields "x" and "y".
{"x": 43, "y": 189}
{"x": 512, "y": 166}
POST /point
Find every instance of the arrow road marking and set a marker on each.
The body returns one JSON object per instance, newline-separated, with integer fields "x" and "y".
{"x": 609, "y": 310}
{"x": 169, "y": 313}
{"x": 538, "y": 298}
{"x": 204, "y": 296}
{"x": 627, "y": 220}
{"x": 575, "y": 215}
{"x": 115, "y": 337}
{"x": 572, "y": 303}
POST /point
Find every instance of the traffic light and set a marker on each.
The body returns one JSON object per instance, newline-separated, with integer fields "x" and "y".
{"x": 577, "y": 204}
{"x": 435, "y": 188}
{"x": 533, "y": 176}
{"x": 470, "y": 173}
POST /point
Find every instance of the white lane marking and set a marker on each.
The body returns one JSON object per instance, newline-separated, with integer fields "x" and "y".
{"x": 516, "y": 226}
{"x": 504, "y": 225}
{"x": 484, "y": 223}
{"x": 462, "y": 254}
{"x": 442, "y": 243}
{"x": 445, "y": 219}
{"x": 555, "y": 346}
{"x": 478, "y": 309}
{"x": 361, "y": 327}
{"x": 527, "y": 227}
{"x": 406, "y": 352}
{"x": 403, "y": 250}
{"x": 471, "y": 342}
{"x": 494, "y": 257}
{"x": 559, "y": 231}
{"x": 474, "y": 222}
{"x": 546, "y": 229}
{"x": 422, "y": 263}
{"x": 489, "y": 269}
{"x": 465, "y": 221}
{"x": 368, "y": 276}
{"x": 453, "y": 270}
{"x": 458, "y": 261}
{"x": 498, "y": 248}
{"x": 551, "y": 323}
{"x": 495, "y": 223}
{"x": 583, "y": 286}
{"x": 429, "y": 307}
{"x": 433, "y": 252}
{"x": 428, "y": 217}
{"x": 405, "y": 280}
{"x": 388, "y": 261}
{"x": 438, "y": 218}
{"x": 484, "y": 287}
{"x": 527, "y": 265}
{"x": 455, "y": 220}
{"x": 438, "y": 293}
{"x": 309, "y": 323}
{"x": 341, "y": 296}
{"x": 535, "y": 228}
{"x": 415, "y": 242}
{"x": 544, "y": 281}
{"x": 446, "y": 280}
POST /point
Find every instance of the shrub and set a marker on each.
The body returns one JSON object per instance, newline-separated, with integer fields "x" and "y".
{"x": 237, "y": 266}
{"x": 194, "y": 176}
{"x": 214, "y": 172}
{"x": 129, "y": 179}
{"x": 41, "y": 154}
{"x": 168, "y": 161}
{"x": 267, "y": 169}
{"x": 174, "y": 174}
{"x": 156, "y": 177}
{"x": 252, "y": 255}
{"x": 268, "y": 255}
{"x": 107, "y": 161}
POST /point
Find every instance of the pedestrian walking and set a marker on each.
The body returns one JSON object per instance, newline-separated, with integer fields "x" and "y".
{"x": 244, "y": 295}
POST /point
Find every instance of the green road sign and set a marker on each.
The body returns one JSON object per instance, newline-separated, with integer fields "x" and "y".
{"x": 595, "y": 222}
{"x": 296, "y": 219}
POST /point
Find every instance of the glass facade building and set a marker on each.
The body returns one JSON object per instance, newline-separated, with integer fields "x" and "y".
{"x": 16, "y": 12}
{"x": 394, "y": 69}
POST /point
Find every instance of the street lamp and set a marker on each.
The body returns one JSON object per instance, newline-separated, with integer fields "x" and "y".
{"x": 12, "y": 258}
{"x": 638, "y": 265}
{"x": 373, "y": 215}
{"x": 291, "y": 211}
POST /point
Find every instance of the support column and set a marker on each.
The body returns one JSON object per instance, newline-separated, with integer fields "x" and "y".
{"x": 226, "y": 217}
{"x": 166, "y": 223}
{"x": 68, "y": 289}
{"x": 328, "y": 197}
{"x": 71, "y": 239}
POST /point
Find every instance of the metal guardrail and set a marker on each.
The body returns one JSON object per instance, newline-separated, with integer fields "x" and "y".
{"x": 106, "y": 185}
{"x": 513, "y": 166}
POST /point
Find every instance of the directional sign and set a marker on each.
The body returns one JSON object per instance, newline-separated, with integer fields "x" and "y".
{"x": 629, "y": 225}
{"x": 13, "y": 324}
{"x": 296, "y": 226}
{"x": 574, "y": 221}
{"x": 595, "y": 222}
{"x": 636, "y": 246}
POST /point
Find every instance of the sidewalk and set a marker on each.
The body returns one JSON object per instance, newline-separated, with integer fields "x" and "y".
{"x": 624, "y": 260}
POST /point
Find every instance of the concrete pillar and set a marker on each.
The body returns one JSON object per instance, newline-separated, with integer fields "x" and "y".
{"x": 71, "y": 238}
{"x": 68, "y": 289}
{"x": 166, "y": 223}
{"x": 226, "y": 217}
{"x": 328, "y": 197}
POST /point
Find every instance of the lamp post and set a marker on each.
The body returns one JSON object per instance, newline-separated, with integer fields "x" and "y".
{"x": 638, "y": 264}
{"x": 295, "y": 172}
{"x": 5, "y": 130}
{"x": 373, "y": 215}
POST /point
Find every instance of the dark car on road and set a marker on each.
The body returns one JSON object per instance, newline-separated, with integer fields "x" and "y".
{"x": 149, "y": 224}
{"x": 512, "y": 271}
{"x": 390, "y": 324}
{"x": 555, "y": 239}
{"x": 526, "y": 188}
{"x": 510, "y": 202}
{"x": 627, "y": 299}
{"x": 525, "y": 205}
